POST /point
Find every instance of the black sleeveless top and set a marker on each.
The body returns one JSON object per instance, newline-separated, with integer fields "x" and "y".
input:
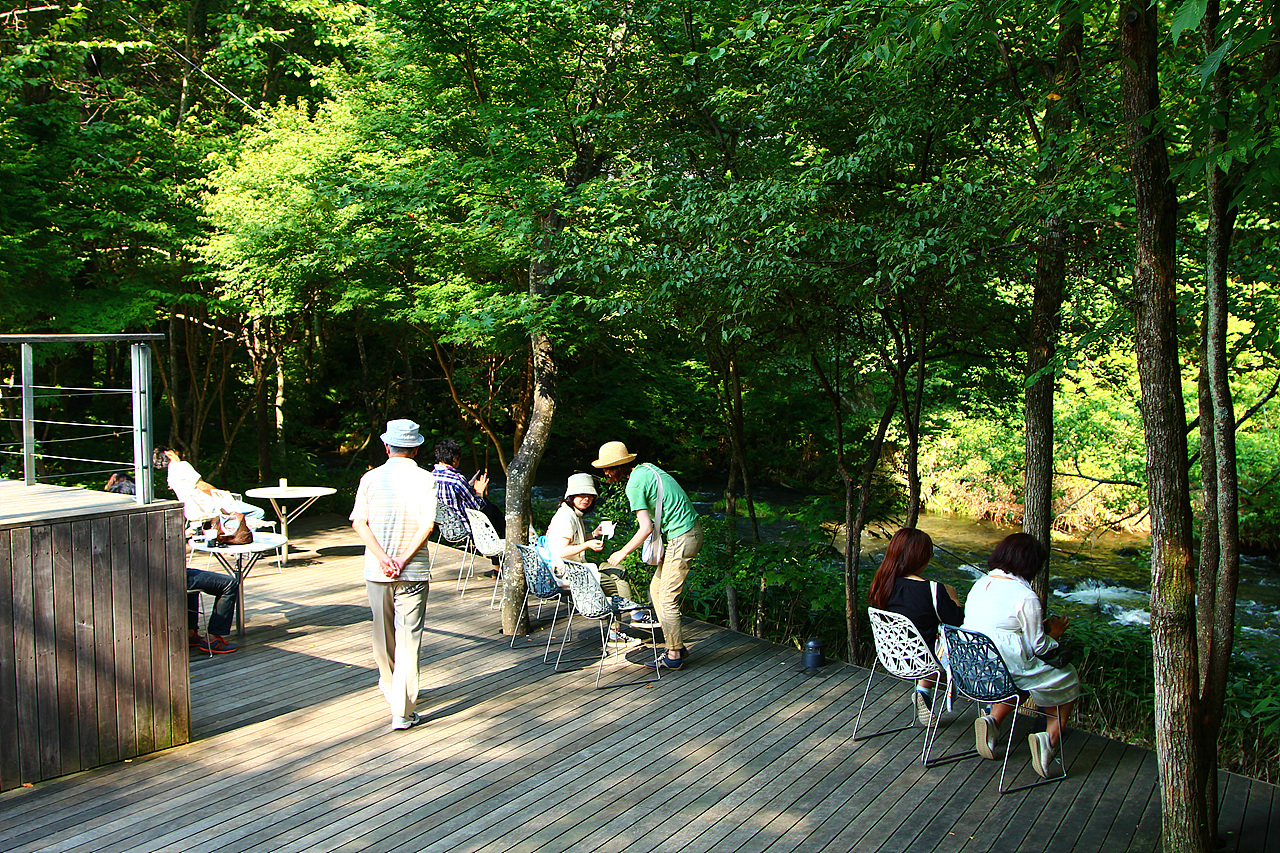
{"x": 911, "y": 599}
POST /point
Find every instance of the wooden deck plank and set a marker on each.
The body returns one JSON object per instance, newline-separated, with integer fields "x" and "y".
{"x": 1273, "y": 821}
{"x": 461, "y": 815}
{"x": 291, "y": 736}
{"x": 443, "y": 776}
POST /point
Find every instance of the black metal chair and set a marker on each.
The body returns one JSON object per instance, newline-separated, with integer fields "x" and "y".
{"x": 541, "y": 583}
{"x": 979, "y": 673}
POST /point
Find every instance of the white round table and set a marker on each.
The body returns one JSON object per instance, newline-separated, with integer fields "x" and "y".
{"x": 276, "y": 494}
{"x": 245, "y": 558}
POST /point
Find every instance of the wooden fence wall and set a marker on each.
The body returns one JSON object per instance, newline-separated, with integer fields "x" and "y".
{"x": 93, "y": 641}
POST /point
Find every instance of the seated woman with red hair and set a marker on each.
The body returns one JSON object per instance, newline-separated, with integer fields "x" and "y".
{"x": 899, "y": 587}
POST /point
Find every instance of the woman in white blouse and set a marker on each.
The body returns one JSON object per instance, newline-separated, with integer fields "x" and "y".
{"x": 1003, "y": 606}
{"x": 567, "y": 540}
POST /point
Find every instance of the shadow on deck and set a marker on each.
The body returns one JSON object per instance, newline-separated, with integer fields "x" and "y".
{"x": 739, "y": 751}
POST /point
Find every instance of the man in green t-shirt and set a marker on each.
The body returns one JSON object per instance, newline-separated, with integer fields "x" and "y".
{"x": 680, "y": 531}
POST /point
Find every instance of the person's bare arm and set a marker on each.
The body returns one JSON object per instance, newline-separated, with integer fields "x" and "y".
{"x": 645, "y": 529}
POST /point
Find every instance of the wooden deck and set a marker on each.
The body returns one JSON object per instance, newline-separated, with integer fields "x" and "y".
{"x": 23, "y": 504}
{"x": 292, "y": 751}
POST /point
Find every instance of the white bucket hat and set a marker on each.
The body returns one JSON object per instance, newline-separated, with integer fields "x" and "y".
{"x": 402, "y": 433}
{"x": 581, "y": 484}
{"x": 613, "y": 454}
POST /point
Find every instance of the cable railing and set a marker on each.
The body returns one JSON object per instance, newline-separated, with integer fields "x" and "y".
{"x": 35, "y": 453}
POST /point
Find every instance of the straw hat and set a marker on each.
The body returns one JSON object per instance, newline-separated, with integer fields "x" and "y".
{"x": 402, "y": 433}
{"x": 581, "y": 484}
{"x": 613, "y": 454}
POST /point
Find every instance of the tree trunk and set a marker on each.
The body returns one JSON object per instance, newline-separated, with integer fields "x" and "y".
{"x": 1046, "y": 303}
{"x": 853, "y": 533}
{"x": 524, "y": 465}
{"x": 1155, "y": 295}
{"x": 1216, "y": 604}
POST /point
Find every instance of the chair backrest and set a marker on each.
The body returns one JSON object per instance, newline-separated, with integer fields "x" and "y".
{"x": 487, "y": 541}
{"x": 538, "y": 578}
{"x": 451, "y": 528}
{"x": 588, "y": 598}
{"x": 899, "y": 646}
{"x": 976, "y": 668}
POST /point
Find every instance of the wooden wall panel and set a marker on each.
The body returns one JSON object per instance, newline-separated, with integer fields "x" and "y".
{"x": 104, "y": 642}
{"x": 86, "y": 668}
{"x": 93, "y": 649}
{"x": 10, "y": 771}
{"x": 24, "y": 654}
{"x": 64, "y": 650}
{"x": 122, "y": 618}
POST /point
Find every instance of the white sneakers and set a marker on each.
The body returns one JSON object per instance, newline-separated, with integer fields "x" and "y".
{"x": 399, "y": 724}
{"x": 985, "y": 732}
{"x": 1042, "y": 753}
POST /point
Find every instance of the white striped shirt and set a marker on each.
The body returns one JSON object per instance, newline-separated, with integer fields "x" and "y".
{"x": 397, "y": 499}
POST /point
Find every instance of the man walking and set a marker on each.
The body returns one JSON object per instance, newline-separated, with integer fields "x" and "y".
{"x": 394, "y": 514}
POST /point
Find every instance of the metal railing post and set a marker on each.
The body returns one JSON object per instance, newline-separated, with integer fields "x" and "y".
{"x": 144, "y": 488}
{"x": 28, "y": 416}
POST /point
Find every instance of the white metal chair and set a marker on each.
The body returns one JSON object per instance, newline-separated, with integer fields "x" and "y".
{"x": 979, "y": 673}
{"x": 590, "y": 602}
{"x": 452, "y": 530}
{"x": 541, "y": 583}
{"x": 487, "y": 544}
{"x": 902, "y": 653}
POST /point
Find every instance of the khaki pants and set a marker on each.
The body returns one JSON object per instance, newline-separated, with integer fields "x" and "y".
{"x": 398, "y": 609}
{"x": 668, "y": 583}
{"x": 614, "y": 582}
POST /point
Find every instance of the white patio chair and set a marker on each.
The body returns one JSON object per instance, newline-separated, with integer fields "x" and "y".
{"x": 902, "y": 653}
{"x": 590, "y": 602}
{"x": 487, "y": 544}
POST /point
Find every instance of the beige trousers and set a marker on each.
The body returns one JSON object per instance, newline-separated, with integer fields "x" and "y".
{"x": 614, "y": 582}
{"x": 398, "y": 609}
{"x": 668, "y": 583}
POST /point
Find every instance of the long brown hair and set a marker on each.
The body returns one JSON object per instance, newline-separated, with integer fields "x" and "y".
{"x": 909, "y": 551}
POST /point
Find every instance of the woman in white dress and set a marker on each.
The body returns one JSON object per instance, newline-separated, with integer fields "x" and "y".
{"x": 1003, "y": 606}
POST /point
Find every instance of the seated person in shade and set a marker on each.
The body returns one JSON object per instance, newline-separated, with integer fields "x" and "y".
{"x": 460, "y": 494}
{"x": 567, "y": 540}
{"x": 223, "y": 588}
{"x": 121, "y": 484}
{"x": 899, "y": 587}
{"x": 1003, "y": 606}
{"x": 200, "y": 501}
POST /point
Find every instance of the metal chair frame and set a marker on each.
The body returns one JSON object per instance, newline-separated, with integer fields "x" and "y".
{"x": 590, "y": 602}
{"x": 541, "y": 583}
{"x": 902, "y": 653}
{"x": 487, "y": 543}
{"x": 977, "y": 672}
{"x": 452, "y": 530}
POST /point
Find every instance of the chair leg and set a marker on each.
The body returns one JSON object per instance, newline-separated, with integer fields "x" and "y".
{"x": 1009, "y": 748}
{"x": 502, "y": 567}
{"x": 523, "y": 605}
{"x": 563, "y": 640}
{"x": 604, "y": 653}
{"x": 551, "y": 630}
{"x": 865, "y": 693}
